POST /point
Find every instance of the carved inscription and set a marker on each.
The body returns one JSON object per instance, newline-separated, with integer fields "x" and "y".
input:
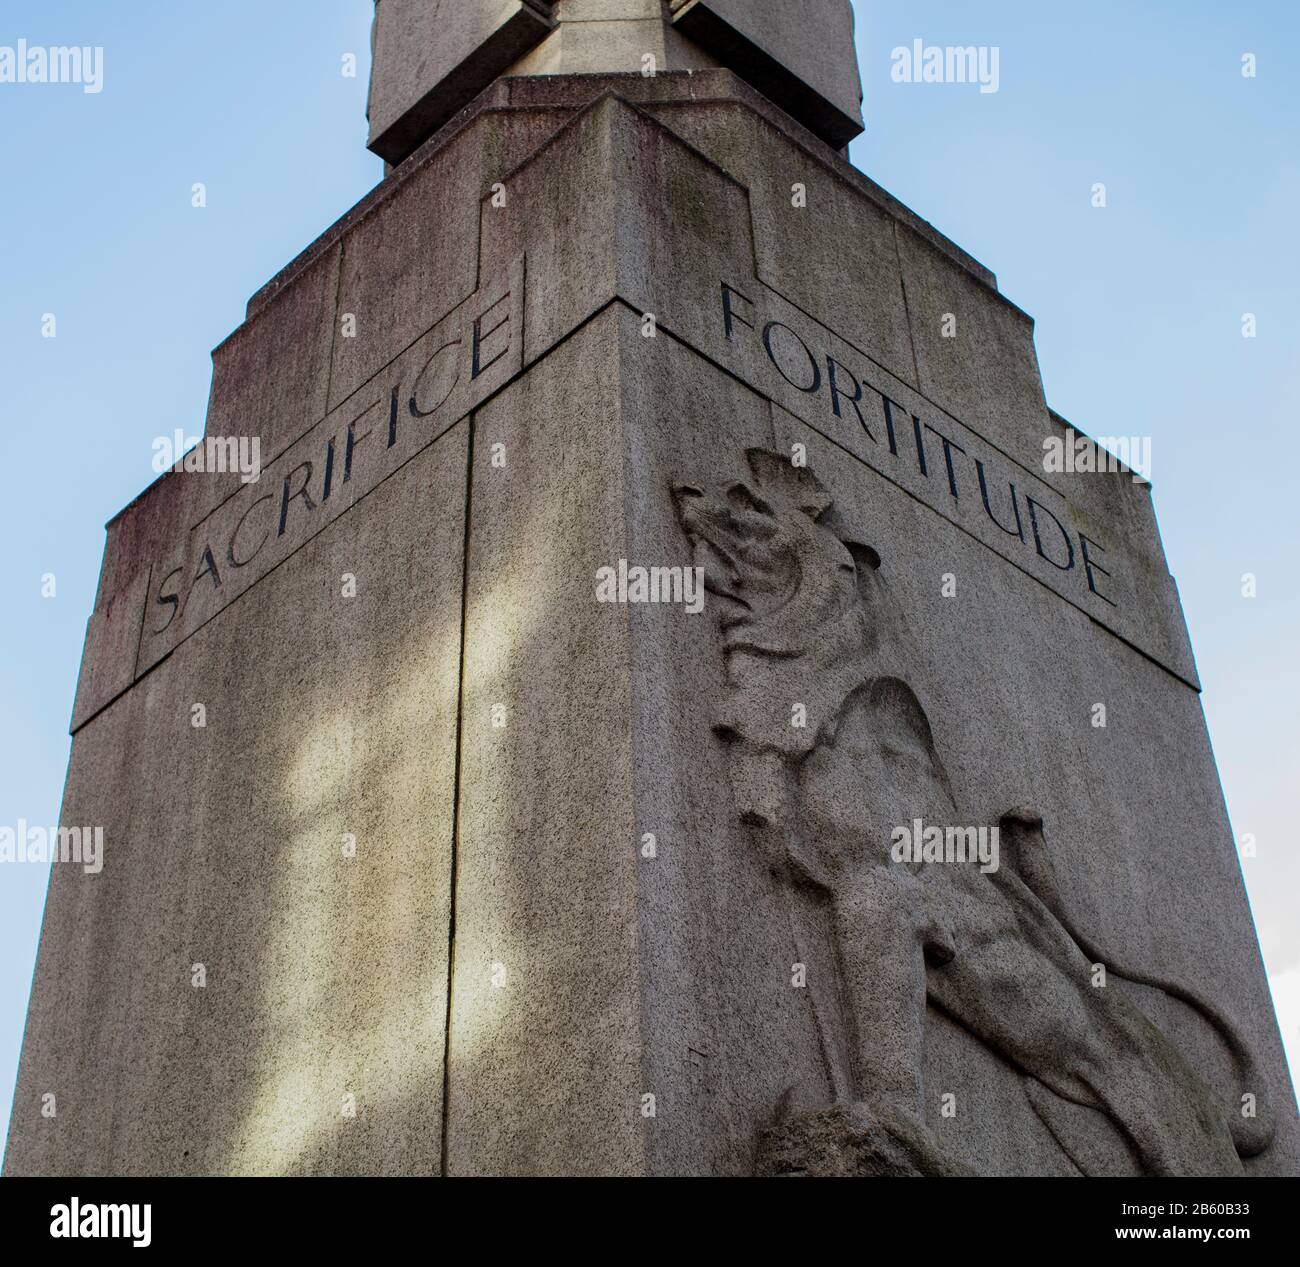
{"x": 973, "y": 483}
{"x": 433, "y": 384}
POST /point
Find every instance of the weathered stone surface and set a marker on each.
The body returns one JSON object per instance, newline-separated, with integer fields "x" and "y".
{"x": 545, "y": 1027}
{"x": 848, "y": 1142}
{"x": 112, "y": 643}
{"x": 1109, "y": 566}
{"x": 974, "y": 356}
{"x": 632, "y": 212}
{"x": 600, "y": 36}
{"x": 818, "y": 241}
{"x": 431, "y": 59}
{"x": 326, "y": 975}
{"x": 271, "y": 378}
{"x": 808, "y": 66}
{"x": 322, "y": 475}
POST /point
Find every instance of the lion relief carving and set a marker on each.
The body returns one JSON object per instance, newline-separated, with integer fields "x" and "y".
{"x": 807, "y": 622}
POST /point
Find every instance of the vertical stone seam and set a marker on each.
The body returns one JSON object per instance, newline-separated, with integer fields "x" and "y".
{"x": 455, "y": 797}
{"x": 907, "y": 310}
{"x": 334, "y": 329}
{"x": 643, "y": 908}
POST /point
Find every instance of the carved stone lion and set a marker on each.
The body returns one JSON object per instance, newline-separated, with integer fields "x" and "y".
{"x": 811, "y": 632}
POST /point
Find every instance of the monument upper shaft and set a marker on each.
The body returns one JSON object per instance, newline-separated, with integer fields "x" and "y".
{"x": 432, "y": 57}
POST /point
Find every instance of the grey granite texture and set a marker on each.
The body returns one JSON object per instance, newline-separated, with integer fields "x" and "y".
{"x": 802, "y": 57}
{"x": 431, "y": 58}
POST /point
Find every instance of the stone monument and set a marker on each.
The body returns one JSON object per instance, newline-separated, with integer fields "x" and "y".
{"x": 656, "y": 711}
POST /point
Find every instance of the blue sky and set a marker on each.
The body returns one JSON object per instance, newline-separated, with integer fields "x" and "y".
{"x": 1139, "y": 309}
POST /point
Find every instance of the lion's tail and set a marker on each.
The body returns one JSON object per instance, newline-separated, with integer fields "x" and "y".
{"x": 1251, "y": 1135}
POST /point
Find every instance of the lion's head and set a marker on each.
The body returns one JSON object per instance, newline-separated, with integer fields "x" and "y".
{"x": 769, "y": 554}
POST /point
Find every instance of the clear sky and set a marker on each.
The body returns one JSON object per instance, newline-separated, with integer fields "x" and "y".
{"x": 1139, "y": 308}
